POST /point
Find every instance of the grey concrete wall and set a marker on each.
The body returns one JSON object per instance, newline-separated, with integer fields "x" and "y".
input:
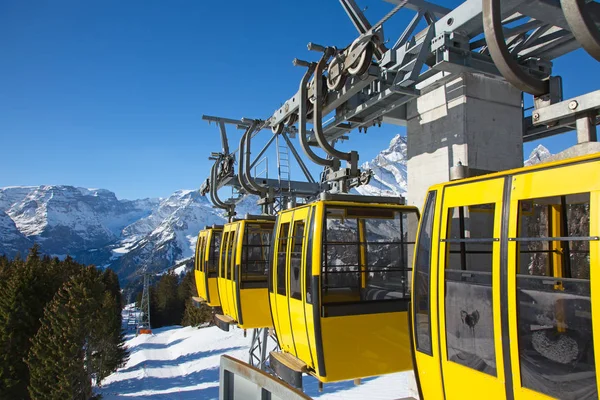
{"x": 471, "y": 118}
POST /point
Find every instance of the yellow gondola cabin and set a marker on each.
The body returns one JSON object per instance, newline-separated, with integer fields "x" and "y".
{"x": 505, "y": 268}
{"x": 339, "y": 288}
{"x": 206, "y": 263}
{"x": 242, "y": 276}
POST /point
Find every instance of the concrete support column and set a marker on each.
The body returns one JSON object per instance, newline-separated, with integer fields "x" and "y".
{"x": 586, "y": 129}
{"x": 469, "y": 118}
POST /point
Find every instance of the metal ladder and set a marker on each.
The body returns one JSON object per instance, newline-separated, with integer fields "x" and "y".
{"x": 283, "y": 164}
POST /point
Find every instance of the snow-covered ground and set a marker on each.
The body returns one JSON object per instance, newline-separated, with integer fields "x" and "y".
{"x": 183, "y": 363}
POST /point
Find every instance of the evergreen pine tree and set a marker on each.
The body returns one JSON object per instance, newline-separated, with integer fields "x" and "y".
{"x": 111, "y": 282}
{"x": 62, "y": 352}
{"x": 169, "y": 308}
{"x": 25, "y": 292}
{"x": 107, "y": 339}
{"x": 192, "y": 314}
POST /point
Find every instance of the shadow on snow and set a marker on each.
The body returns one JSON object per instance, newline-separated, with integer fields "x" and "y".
{"x": 179, "y": 360}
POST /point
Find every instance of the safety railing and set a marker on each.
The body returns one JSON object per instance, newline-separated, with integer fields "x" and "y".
{"x": 239, "y": 380}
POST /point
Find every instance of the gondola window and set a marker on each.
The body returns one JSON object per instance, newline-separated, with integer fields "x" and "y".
{"x": 366, "y": 254}
{"x": 296, "y": 260}
{"x": 231, "y": 250}
{"x": 213, "y": 255}
{"x": 281, "y": 258}
{"x": 468, "y": 287}
{"x": 556, "y": 349}
{"x": 222, "y": 267}
{"x": 255, "y": 255}
{"x": 422, "y": 278}
{"x": 309, "y": 257}
{"x": 200, "y": 254}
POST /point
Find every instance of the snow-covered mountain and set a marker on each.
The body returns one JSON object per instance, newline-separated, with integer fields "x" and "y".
{"x": 538, "y": 155}
{"x": 67, "y": 219}
{"x": 389, "y": 171}
{"x": 95, "y": 227}
{"x": 166, "y": 236}
{"x": 12, "y": 240}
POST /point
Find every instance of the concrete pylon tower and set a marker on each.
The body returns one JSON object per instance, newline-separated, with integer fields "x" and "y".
{"x": 471, "y": 118}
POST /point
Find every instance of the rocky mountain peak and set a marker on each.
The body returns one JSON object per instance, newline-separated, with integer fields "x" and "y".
{"x": 537, "y": 155}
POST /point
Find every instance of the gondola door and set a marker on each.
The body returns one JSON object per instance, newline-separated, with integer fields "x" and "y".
{"x": 296, "y": 263}
{"x": 222, "y": 279}
{"x": 283, "y": 327}
{"x": 469, "y": 295}
{"x": 553, "y": 250}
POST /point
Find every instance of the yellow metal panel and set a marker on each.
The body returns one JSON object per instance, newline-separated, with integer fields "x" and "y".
{"x": 222, "y": 282}
{"x": 315, "y": 253}
{"x": 595, "y": 274}
{"x": 238, "y": 228}
{"x": 214, "y": 293}
{"x": 213, "y": 289}
{"x": 482, "y": 192}
{"x": 199, "y": 263}
{"x": 428, "y": 366}
{"x": 284, "y": 333}
{"x": 297, "y": 307}
{"x": 365, "y": 345}
{"x": 574, "y": 178}
{"x": 255, "y": 308}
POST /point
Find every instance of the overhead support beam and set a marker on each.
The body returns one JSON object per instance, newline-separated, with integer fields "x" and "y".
{"x": 298, "y": 188}
{"x": 262, "y": 152}
{"x": 568, "y": 111}
{"x": 357, "y": 17}
{"x": 422, "y": 5}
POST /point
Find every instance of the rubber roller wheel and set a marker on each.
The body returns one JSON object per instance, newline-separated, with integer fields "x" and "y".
{"x": 277, "y": 129}
{"x": 364, "y": 61}
{"x": 338, "y": 82}
{"x": 290, "y": 119}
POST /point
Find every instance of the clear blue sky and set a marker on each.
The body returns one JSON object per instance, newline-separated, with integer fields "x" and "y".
{"x": 110, "y": 93}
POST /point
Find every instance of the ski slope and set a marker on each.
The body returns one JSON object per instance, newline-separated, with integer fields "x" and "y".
{"x": 182, "y": 363}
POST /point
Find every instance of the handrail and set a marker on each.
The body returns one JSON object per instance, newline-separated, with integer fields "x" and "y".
{"x": 318, "y": 110}
{"x": 231, "y": 368}
{"x": 302, "y": 121}
{"x": 241, "y": 178}
{"x": 214, "y": 197}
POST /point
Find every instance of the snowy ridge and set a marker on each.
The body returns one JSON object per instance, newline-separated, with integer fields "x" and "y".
{"x": 166, "y": 236}
{"x": 13, "y": 241}
{"x": 389, "y": 171}
{"x": 67, "y": 219}
{"x": 183, "y": 363}
{"x": 537, "y": 155}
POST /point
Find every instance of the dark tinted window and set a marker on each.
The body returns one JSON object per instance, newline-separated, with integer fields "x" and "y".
{"x": 231, "y": 253}
{"x": 213, "y": 256}
{"x": 309, "y": 255}
{"x": 296, "y": 260}
{"x": 556, "y": 349}
{"x": 255, "y": 253}
{"x": 367, "y": 254}
{"x": 422, "y": 270}
{"x": 281, "y": 258}
{"x": 200, "y": 254}
{"x": 222, "y": 268}
{"x": 468, "y": 284}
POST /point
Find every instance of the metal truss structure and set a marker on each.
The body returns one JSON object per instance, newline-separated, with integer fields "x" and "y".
{"x": 260, "y": 348}
{"x": 370, "y": 82}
